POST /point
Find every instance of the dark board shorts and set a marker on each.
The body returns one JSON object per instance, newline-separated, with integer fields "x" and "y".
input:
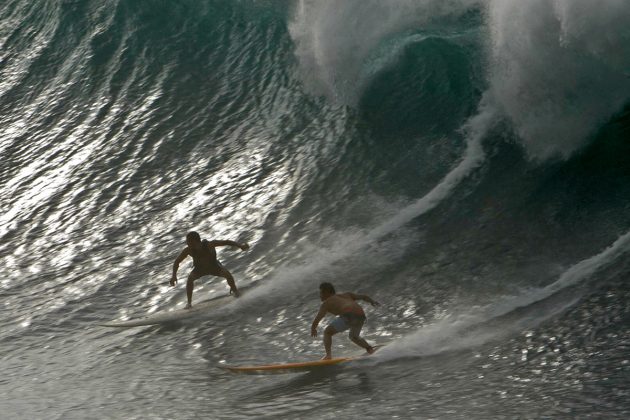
{"x": 208, "y": 270}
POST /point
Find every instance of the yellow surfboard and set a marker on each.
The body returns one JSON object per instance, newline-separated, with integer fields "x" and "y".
{"x": 293, "y": 367}
{"x": 286, "y": 367}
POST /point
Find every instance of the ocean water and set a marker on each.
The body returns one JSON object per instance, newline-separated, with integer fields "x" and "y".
{"x": 464, "y": 162}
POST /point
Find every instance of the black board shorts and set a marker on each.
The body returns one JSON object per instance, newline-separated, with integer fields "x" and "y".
{"x": 208, "y": 270}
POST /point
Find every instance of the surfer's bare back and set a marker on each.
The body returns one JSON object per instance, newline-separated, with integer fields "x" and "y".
{"x": 205, "y": 262}
{"x": 349, "y": 316}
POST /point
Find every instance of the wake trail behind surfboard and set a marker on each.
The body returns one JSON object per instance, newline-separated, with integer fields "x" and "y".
{"x": 165, "y": 317}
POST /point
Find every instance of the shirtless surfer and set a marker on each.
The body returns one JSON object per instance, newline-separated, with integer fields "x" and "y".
{"x": 205, "y": 262}
{"x": 349, "y": 316}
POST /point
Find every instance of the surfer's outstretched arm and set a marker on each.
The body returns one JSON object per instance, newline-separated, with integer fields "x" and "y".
{"x": 320, "y": 315}
{"x": 244, "y": 246}
{"x": 365, "y": 298}
{"x": 181, "y": 257}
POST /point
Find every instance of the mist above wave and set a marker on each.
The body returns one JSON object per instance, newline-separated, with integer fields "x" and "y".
{"x": 556, "y": 69}
{"x": 334, "y": 40}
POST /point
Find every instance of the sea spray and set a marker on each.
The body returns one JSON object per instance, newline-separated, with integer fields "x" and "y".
{"x": 480, "y": 325}
{"x": 333, "y": 40}
{"x": 557, "y": 69}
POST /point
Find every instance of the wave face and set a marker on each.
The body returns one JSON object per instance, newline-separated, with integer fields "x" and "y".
{"x": 464, "y": 162}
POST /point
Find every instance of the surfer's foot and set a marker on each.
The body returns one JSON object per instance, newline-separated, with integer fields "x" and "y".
{"x": 236, "y": 292}
{"x": 327, "y": 357}
{"x": 370, "y": 350}
{"x": 188, "y": 306}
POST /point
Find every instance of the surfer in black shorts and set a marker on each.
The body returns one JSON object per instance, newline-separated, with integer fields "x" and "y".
{"x": 205, "y": 262}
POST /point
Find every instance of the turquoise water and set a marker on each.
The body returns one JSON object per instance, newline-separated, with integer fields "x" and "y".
{"x": 465, "y": 163}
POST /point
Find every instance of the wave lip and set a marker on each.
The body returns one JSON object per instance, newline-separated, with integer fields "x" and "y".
{"x": 333, "y": 40}
{"x": 558, "y": 69}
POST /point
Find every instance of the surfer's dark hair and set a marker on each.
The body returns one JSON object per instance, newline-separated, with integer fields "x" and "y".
{"x": 193, "y": 235}
{"x": 327, "y": 287}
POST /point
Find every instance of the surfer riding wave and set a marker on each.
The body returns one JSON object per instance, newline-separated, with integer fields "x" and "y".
{"x": 205, "y": 262}
{"x": 350, "y": 316}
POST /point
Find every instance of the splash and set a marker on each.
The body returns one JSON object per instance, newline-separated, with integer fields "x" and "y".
{"x": 334, "y": 39}
{"x": 473, "y": 329}
{"x": 558, "y": 69}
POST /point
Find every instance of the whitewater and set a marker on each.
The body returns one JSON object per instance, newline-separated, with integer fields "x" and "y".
{"x": 464, "y": 162}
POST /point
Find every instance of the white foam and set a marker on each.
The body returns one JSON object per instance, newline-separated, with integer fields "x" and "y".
{"x": 558, "y": 68}
{"x": 334, "y": 39}
{"x": 454, "y": 332}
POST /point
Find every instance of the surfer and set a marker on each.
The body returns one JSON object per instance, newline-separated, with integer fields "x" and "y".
{"x": 349, "y": 316}
{"x": 205, "y": 262}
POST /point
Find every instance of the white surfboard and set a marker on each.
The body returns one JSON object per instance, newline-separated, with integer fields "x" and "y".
{"x": 176, "y": 315}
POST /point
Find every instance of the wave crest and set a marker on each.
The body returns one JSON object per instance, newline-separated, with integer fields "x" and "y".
{"x": 558, "y": 69}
